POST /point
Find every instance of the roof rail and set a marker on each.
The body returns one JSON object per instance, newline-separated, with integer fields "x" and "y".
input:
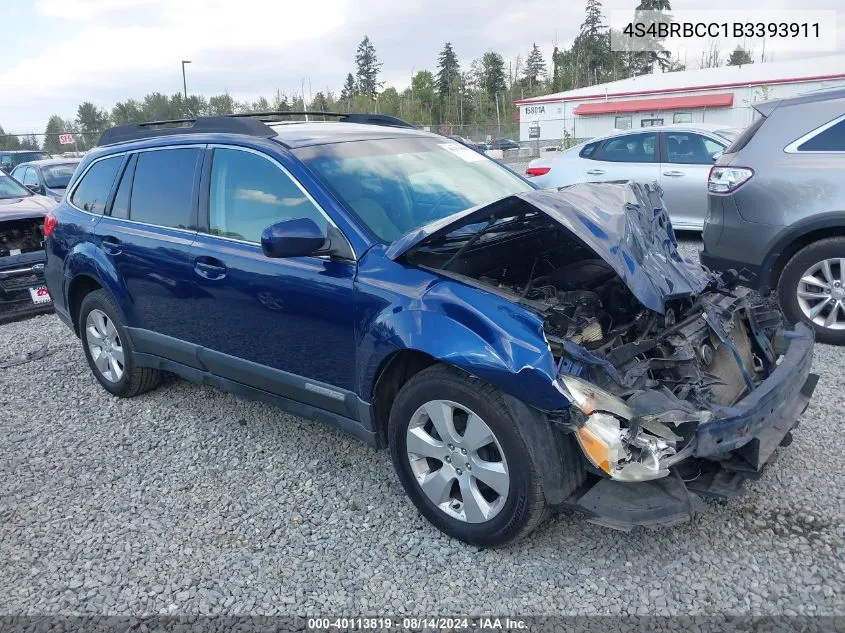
{"x": 200, "y": 125}
{"x": 343, "y": 117}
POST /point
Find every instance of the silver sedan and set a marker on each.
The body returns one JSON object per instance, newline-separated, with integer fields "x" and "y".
{"x": 678, "y": 157}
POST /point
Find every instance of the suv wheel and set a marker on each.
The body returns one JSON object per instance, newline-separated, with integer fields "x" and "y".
{"x": 109, "y": 350}
{"x": 812, "y": 289}
{"x": 461, "y": 459}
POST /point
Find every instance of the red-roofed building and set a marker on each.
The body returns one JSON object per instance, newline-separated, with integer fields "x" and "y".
{"x": 720, "y": 96}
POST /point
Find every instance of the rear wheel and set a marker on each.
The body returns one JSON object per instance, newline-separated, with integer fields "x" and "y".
{"x": 108, "y": 349}
{"x": 812, "y": 289}
{"x": 461, "y": 459}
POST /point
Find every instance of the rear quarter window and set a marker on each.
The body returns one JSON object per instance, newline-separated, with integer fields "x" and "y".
{"x": 589, "y": 150}
{"x": 830, "y": 138}
{"x": 93, "y": 190}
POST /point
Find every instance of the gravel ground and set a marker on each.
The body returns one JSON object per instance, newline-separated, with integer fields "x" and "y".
{"x": 188, "y": 500}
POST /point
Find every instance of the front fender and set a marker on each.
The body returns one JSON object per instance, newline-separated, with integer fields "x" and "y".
{"x": 478, "y": 332}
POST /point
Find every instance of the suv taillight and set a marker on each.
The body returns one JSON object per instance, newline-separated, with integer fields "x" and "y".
{"x": 537, "y": 171}
{"x": 727, "y": 179}
{"x": 50, "y": 222}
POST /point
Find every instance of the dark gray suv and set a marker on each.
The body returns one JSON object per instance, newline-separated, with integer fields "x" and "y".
{"x": 776, "y": 209}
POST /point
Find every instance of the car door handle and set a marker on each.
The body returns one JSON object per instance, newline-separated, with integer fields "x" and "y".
{"x": 595, "y": 172}
{"x": 111, "y": 245}
{"x": 674, "y": 174}
{"x": 210, "y": 268}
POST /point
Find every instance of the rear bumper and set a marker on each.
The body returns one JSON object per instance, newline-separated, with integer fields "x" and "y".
{"x": 750, "y": 273}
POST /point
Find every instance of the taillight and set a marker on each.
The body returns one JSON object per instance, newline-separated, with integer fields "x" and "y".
{"x": 727, "y": 179}
{"x": 50, "y": 222}
{"x": 537, "y": 171}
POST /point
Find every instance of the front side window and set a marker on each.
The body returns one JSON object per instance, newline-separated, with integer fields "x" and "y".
{"x": 631, "y": 148}
{"x": 10, "y": 188}
{"x": 17, "y": 173}
{"x": 623, "y": 122}
{"x": 691, "y": 149}
{"x": 163, "y": 187}
{"x": 249, "y": 193}
{"x": 830, "y": 139}
{"x": 395, "y": 185}
{"x": 93, "y": 190}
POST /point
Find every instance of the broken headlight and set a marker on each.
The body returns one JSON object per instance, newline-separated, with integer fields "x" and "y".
{"x": 606, "y": 437}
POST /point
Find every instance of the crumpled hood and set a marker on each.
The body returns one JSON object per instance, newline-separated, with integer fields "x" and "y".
{"x": 23, "y": 208}
{"x": 624, "y": 223}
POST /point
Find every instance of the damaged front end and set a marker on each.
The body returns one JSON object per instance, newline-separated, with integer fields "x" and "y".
{"x": 679, "y": 383}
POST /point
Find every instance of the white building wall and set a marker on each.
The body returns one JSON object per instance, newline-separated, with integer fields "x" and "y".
{"x": 557, "y": 119}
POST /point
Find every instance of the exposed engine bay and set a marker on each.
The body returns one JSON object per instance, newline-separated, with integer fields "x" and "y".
{"x": 641, "y": 379}
{"x": 21, "y": 236}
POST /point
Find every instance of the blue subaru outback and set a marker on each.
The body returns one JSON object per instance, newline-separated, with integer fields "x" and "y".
{"x": 513, "y": 348}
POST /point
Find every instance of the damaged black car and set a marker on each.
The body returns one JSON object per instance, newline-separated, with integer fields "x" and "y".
{"x": 23, "y": 290}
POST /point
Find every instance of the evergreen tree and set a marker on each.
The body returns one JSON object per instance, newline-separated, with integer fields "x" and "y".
{"x": 348, "y": 92}
{"x": 591, "y": 47}
{"x": 55, "y": 126}
{"x": 368, "y": 67}
{"x": 740, "y": 57}
{"x": 535, "y": 67}
{"x": 645, "y": 61}
{"x": 448, "y": 70}
{"x": 492, "y": 73}
{"x": 91, "y": 121}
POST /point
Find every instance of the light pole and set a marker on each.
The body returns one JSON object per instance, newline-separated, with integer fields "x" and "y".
{"x": 185, "y": 83}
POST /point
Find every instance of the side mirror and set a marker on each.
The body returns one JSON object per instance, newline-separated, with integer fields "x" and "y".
{"x": 34, "y": 188}
{"x": 292, "y": 238}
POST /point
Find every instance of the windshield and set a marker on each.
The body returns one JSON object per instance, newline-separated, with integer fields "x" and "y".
{"x": 399, "y": 184}
{"x": 9, "y": 188}
{"x": 58, "y": 176}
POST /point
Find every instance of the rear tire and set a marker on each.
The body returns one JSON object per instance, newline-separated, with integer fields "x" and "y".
{"x": 820, "y": 305}
{"x": 501, "y": 500}
{"x": 109, "y": 350}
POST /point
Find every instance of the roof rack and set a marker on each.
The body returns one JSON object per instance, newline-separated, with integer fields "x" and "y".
{"x": 343, "y": 117}
{"x": 250, "y": 124}
{"x": 200, "y": 125}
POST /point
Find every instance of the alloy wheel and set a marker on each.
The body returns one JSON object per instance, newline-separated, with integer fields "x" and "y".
{"x": 821, "y": 293}
{"x": 104, "y": 345}
{"x": 457, "y": 461}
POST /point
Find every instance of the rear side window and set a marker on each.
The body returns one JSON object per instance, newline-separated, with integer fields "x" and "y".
{"x": 830, "y": 139}
{"x": 589, "y": 150}
{"x": 163, "y": 187}
{"x": 631, "y": 148}
{"x": 745, "y": 136}
{"x": 93, "y": 190}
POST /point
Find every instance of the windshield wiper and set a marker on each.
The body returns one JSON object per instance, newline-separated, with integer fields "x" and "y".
{"x": 470, "y": 242}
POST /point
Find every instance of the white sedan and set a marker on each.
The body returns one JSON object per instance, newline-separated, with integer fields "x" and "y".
{"x": 678, "y": 157}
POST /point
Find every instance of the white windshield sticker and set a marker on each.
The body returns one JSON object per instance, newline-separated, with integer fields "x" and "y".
{"x": 463, "y": 152}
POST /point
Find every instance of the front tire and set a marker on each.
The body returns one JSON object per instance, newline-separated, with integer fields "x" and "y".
{"x": 461, "y": 459}
{"x": 109, "y": 350}
{"x": 812, "y": 289}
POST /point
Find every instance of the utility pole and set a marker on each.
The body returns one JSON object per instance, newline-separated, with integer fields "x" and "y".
{"x": 185, "y": 83}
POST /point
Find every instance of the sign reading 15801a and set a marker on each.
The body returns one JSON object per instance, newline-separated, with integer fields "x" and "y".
{"x": 535, "y": 109}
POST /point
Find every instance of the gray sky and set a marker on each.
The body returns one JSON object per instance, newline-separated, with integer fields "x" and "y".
{"x": 58, "y": 53}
